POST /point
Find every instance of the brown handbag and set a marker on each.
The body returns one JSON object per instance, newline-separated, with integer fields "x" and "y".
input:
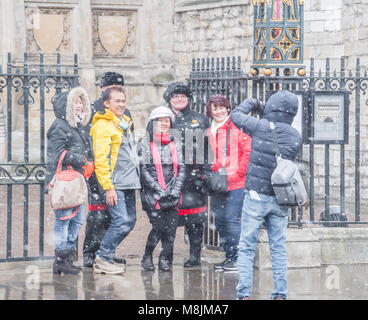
{"x": 67, "y": 188}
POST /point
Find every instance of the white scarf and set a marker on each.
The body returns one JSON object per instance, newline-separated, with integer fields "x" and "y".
{"x": 79, "y": 118}
{"x": 215, "y": 126}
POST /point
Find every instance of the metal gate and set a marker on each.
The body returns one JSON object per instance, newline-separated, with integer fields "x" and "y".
{"x": 26, "y": 92}
{"x": 335, "y": 170}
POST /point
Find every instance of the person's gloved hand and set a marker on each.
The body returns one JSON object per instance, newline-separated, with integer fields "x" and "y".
{"x": 88, "y": 169}
{"x": 259, "y": 107}
{"x": 174, "y": 193}
{"x": 161, "y": 193}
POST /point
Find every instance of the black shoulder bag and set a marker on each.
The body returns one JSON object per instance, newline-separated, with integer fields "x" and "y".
{"x": 218, "y": 180}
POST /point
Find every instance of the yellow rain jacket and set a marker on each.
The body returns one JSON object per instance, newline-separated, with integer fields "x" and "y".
{"x": 116, "y": 160}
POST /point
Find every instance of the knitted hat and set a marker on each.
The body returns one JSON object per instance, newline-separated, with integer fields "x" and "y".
{"x": 111, "y": 78}
{"x": 161, "y": 112}
{"x": 177, "y": 88}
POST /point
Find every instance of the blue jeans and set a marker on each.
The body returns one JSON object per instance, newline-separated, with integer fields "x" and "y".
{"x": 66, "y": 231}
{"x": 254, "y": 213}
{"x": 227, "y": 208}
{"x": 123, "y": 218}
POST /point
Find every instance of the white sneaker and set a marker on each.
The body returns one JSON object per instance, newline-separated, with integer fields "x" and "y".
{"x": 108, "y": 267}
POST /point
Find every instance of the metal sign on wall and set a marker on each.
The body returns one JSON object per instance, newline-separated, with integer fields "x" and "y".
{"x": 329, "y": 117}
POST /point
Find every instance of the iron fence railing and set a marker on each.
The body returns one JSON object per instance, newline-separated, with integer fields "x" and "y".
{"x": 26, "y": 89}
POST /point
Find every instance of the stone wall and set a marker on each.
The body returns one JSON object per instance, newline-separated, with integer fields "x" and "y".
{"x": 226, "y": 30}
{"x": 134, "y": 38}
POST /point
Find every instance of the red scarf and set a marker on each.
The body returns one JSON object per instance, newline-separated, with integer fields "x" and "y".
{"x": 164, "y": 139}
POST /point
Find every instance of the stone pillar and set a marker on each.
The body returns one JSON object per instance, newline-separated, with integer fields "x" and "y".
{"x": 82, "y": 37}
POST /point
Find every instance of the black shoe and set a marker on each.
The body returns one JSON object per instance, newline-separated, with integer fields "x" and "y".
{"x": 147, "y": 263}
{"x": 220, "y": 266}
{"x": 119, "y": 260}
{"x": 88, "y": 261}
{"x": 231, "y": 265}
{"x": 164, "y": 264}
{"x": 192, "y": 262}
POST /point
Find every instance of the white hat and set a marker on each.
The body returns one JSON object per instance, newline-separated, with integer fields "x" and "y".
{"x": 161, "y": 112}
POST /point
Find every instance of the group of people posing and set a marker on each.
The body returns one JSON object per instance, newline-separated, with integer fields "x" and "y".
{"x": 171, "y": 166}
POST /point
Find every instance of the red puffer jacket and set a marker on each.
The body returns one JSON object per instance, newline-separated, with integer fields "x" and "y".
{"x": 237, "y": 157}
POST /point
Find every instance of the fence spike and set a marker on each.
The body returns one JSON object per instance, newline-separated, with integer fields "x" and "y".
{"x": 217, "y": 64}
{"x": 365, "y": 74}
{"x": 350, "y": 74}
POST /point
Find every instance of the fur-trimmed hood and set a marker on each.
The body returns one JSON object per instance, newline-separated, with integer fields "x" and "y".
{"x": 64, "y": 106}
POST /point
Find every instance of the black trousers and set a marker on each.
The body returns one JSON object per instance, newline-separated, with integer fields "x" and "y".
{"x": 97, "y": 224}
{"x": 194, "y": 226}
{"x": 164, "y": 224}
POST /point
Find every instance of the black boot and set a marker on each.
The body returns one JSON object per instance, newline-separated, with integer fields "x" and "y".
{"x": 63, "y": 264}
{"x": 192, "y": 262}
{"x": 88, "y": 260}
{"x": 194, "y": 258}
{"x": 195, "y": 233}
{"x": 73, "y": 256}
{"x": 164, "y": 264}
{"x": 147, "y": 263}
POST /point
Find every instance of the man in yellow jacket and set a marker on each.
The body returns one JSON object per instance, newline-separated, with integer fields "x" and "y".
{"x": 117, "y": 171}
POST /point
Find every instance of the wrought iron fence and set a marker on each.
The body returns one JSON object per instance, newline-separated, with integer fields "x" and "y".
{"x": 26, "y": 91}
{"x": 332, "y": 170}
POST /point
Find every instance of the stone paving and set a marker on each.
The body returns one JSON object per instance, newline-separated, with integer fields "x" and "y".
{"x": 35, "y": 281}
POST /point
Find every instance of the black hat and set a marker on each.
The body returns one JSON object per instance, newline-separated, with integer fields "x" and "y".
{"x": 177, "y": 88}
{"x": 111, "y": 78}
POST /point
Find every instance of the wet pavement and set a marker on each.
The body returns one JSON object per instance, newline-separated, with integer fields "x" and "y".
{"x": 35, "y": 281}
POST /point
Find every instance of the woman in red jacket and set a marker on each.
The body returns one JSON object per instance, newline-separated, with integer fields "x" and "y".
{"x": 227, "y": 206}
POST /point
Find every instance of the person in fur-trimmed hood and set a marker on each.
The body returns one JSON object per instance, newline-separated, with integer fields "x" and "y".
{"x": 69, "y": 132}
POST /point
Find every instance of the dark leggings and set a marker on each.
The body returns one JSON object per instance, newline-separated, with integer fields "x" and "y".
{"x": 164, "y": 224}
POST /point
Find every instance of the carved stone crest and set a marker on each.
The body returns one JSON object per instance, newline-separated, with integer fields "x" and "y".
{"x": 48, "y": 30}
{"x": 113, "y": 33}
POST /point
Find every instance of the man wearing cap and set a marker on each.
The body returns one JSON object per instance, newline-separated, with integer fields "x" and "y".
{"x": 192, "y": 126}
{"x": 98, "y": 219}
{"x": 117, "y": 171}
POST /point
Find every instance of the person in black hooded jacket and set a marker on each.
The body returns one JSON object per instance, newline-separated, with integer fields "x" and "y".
{"x": 162, "y": 178}
{"x": 260, "y": 203}
{"x": 192, "y": 127}
{"x": 69, "y": 132}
